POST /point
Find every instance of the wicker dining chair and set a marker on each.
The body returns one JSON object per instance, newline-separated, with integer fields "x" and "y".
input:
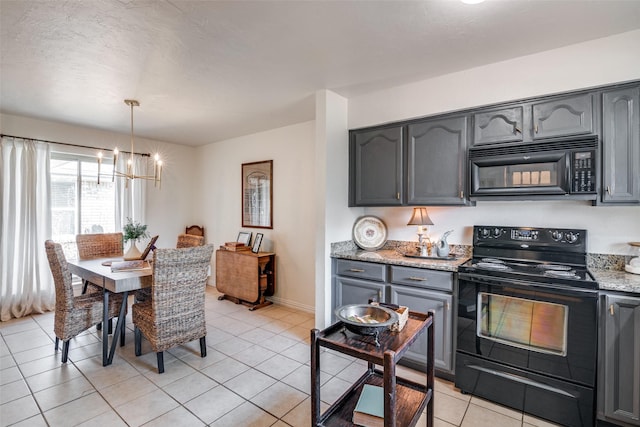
{"x": 74, "y": 314}
{"x": 175, "y": 313}
{"x": 98, "y": 245}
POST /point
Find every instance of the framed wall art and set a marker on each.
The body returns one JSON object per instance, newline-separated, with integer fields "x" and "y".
{"x": 257, "y": 194}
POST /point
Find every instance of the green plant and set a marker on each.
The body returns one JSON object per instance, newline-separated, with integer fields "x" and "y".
{"x": 134, "y": 231}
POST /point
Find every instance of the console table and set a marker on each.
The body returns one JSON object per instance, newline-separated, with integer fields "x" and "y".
{"x": 245, "y": 277}
{"x": 404, "y": 400}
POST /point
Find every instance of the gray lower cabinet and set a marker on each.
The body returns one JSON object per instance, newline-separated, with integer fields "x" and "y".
{"x": 619, "y": 368}
{"x": 440, "y": 303}
{"x": 376, "y": 173}
{"x": 572, "y": 115}
{"x": 436, "y": 167}
{"x": 621, "y": 145}
{"x": 354, "y": 291}
{"x": 420, "y": 289}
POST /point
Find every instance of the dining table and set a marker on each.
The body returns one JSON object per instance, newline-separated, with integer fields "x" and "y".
{"x": 99, "y": 272}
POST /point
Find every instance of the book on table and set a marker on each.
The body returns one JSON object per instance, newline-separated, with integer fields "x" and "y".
{"x": 369, "y": 411}
{"x": 129, "y": 265}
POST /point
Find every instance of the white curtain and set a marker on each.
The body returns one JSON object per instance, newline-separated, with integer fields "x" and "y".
{"x": 130, "y": 199}
{"x": 25, "y": 223}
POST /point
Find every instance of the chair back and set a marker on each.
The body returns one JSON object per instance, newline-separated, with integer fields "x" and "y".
{"x": 189, "y": 241}
{"x": 179, "y": 280}
{"x": 61, "y": 275}
{"x": 196, "y": 230}
{"x": 99, "y": 245}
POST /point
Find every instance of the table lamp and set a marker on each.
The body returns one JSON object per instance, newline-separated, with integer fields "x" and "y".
{"x": 421, "y": 218}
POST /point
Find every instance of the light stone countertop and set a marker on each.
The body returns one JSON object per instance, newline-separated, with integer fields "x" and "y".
{"x": 393, "y": 257}
{"x": 616, "y": 280}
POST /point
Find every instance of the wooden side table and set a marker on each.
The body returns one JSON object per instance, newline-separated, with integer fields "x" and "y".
{"x": 245, "y": 277}
{"x": 404, "y": 400}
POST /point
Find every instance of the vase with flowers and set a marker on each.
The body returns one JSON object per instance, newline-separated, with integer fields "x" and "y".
{"x": 133, "y": 231}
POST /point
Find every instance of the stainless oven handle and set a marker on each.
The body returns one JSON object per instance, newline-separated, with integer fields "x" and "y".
{"x": 522, "y": 380}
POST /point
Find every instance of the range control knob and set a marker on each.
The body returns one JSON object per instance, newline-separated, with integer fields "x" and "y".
{"x": 497, "y": 232}
{"x": 485, "y": 232}
{"x": 556, "y": 235}
{"x": 572, "y": 237}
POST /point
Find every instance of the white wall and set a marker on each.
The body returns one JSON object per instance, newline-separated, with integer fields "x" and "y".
{"x": 333, "y": 218}
{"x": 218, "y": 188}
{"x": 608, "y": 60}
{"x": 177, "y": 179}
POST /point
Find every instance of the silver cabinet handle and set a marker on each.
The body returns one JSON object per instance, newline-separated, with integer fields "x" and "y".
{"x": 417, "y": 279}
{"x": 608, "y": 190}
{"x": 356, "y": 270}
{"x": 536, "y": 128}
{"x": 611, "y": 311}
{"x": 398, "y": 195}
{"x": 462, "y": 194}
{"x": 379, "y": 295}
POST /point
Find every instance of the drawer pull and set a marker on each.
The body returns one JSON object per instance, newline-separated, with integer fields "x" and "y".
{"x": 417, "y": 279}
{"x": 611, "y": 310}
{"x": 356, "y": 270}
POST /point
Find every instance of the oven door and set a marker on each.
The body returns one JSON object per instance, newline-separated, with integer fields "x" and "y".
{"x": 536, "y": 173}
{"x": 544, "y": 329}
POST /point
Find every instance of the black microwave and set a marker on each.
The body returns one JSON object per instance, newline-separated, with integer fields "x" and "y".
{"x": 567, "y": 168}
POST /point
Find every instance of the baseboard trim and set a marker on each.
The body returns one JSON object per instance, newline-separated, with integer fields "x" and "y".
{"x": 284, "y": 302}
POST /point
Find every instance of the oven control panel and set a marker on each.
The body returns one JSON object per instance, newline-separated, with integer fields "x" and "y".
{"x": 530, "y": 237}
{"x": 524, "y": 234}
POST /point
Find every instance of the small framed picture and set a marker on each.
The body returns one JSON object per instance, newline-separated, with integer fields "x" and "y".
{"x": 244, "y": 237}
{"x": 256, "y": 243}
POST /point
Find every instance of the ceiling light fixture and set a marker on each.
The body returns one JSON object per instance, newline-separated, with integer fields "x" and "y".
{"x": 130, "y": 173}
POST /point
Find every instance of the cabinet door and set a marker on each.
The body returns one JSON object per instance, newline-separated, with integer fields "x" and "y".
{"x": 423, "y": 301}
{"x": 376, "y": 167}
{"x": 622, "y": 359}
{"x": 565, "y": 116}
{"x": 621, "y": 145}
{"x": 504, "y": 125}
{"x": 354, "y": 291}
{"x": 436, "y": 162}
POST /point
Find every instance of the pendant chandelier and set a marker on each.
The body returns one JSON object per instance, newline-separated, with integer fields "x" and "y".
{"x": 130, "y": 174}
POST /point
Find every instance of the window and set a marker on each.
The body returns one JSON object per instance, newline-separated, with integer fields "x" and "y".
{"x": 78, "y": 204}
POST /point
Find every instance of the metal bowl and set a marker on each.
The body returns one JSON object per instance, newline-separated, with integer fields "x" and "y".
{"x": 384, "y": 317}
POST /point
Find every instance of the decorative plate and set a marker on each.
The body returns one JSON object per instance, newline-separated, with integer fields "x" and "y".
{"x": 369, "y": 233}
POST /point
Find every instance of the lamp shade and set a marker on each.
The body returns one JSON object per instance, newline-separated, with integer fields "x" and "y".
{"x": 420, "y": 217}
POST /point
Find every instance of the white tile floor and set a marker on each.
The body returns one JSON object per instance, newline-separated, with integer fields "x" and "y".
{"x": 256, "y": 373}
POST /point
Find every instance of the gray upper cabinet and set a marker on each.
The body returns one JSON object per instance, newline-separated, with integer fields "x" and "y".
{"x": 620, "y": 369}
{"x": 494, "y": 126}
{"x": 571, "y": 115}
{"x": 436, "y": 165}
{"x": 376, "y": 167}
{"x": 621, "y": 145}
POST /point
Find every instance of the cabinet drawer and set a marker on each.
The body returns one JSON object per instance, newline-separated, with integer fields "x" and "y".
{"x": 361, "y": 270}
{"x": 423, "y": 278}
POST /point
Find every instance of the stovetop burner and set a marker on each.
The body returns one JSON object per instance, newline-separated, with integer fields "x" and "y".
{"x": 492, "y": 266}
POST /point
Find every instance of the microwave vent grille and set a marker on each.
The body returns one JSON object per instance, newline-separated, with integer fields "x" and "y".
{"x": 558, "y": 145}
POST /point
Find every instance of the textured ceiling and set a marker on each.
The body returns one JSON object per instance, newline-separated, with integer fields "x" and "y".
{"x": 205, "y": 71}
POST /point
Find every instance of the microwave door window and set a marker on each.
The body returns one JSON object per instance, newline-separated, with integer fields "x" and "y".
{"x": 535, "y": 174}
